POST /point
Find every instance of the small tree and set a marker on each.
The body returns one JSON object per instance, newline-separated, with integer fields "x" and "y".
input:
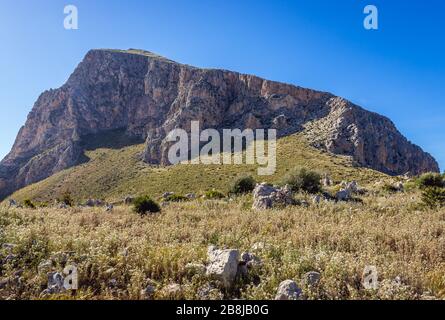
{"x": 390, "y": 188}
{"x": 302, "y": 179}
{"x": 28, "y": 204}
{"x": 243, "y": 185}
{"x": 430, "y": 180}
{"x": 433, "y": 197}
{"x": 67, "y": 199}
{"x": 143, "y": 205}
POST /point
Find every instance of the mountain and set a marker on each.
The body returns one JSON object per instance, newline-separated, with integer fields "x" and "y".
{"x": 144, "y": 96}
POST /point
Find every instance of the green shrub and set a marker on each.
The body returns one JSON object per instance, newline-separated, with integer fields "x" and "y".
{"x": 67, "y": 199}
{"x": 302, "y": 179}
{"x": 243, "y": 185}
{"x": 29, "y": 204}
{"x": 214, "y": 194}
{"x": 176, "y": 198}
{"x": 433, "y": 197}
{"x": 390, "y": 188}
{"x": 42, "y": 204}
{"x": 430, "y": 180}
{"x": 144, "y": 205}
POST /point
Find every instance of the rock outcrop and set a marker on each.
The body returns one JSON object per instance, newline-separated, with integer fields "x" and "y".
{"x": 369, "y": 138}
{"x": 266, "y": 196}
{"x": 145, "y": 96}
{"x": 223, "y": 265}
{"x": 288, "y": 290}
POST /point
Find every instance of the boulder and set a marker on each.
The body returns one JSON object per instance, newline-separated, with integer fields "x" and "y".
{"x": 262, "y": 203}
{"x": 223, "y": 265}
{"x": 316, "y": 199}
{"x": 352, "y": 187}
{"x": 109, "y": 207}
{"x": 55, "y": 283}
{"x": 190, "y": 196}
{"x": 12, "y": 203}
{"x": 312, "y": 278}
{"x": 165, "y": 195}
{"x": 148, "y": 292}
{"x": 89, "y": 203}
{"x": 343, "y": 195}
{"x": 250, "y": 259}
{"x": 242, "y": 270}
{"x": 348, "y": 189}
{"x": 128, "y": 200}
{"x": 94, "y": 203}
{"x": 266, "y": 196}
{"x": 288, "y": 290}
{"x": 263, "y": 190}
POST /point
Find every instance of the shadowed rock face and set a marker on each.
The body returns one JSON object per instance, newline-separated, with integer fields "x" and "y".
{"x": 145, "y": 96}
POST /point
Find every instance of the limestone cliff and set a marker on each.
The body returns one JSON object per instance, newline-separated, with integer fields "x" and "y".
{"x": 146, "y": 96}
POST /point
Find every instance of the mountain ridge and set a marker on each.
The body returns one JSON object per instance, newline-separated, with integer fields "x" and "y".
{"x": 147, "y": 95}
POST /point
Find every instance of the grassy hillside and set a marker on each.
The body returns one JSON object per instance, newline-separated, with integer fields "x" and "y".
{"x": 114, "y": 171}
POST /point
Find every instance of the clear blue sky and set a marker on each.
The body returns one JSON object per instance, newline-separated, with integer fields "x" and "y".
{"x": 397, "y": 71}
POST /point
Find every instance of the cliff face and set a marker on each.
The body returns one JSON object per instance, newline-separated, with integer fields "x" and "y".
{"x": 146, "y": 96}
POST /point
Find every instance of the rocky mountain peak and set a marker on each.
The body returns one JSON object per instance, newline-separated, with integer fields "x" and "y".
{"x": 145, "y": 96}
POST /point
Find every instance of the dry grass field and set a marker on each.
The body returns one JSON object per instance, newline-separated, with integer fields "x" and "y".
{"x": 119, "y": 253}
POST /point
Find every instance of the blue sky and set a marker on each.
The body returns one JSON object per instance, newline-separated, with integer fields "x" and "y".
{"x": 397, "y": 71}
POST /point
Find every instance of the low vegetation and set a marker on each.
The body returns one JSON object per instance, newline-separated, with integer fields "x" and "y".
{"x": 28, "y": 204}
{"x": 433, "y": 197}
{"x": 214, "y": 194}
{"x": 243, "y": 185}
{"x": 67, "y": 199}
{"x": 431, "y": 180}
{"x": 144, "y": 205}
{"x": 302, "y": 179}
{"x": 393, "y": 224}
{"x": 176, "y": 198}
{"x": 119, "y": 253}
